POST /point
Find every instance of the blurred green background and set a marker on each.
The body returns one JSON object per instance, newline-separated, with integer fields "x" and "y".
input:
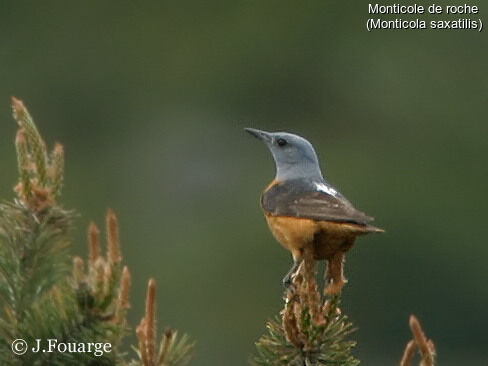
{"x": 150, "y": 98}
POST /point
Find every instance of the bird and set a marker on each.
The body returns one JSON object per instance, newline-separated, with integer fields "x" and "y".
{"x": 304, "y": 211}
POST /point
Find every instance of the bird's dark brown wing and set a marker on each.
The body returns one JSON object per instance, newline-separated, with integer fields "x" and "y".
{"x": 303, "y": 200}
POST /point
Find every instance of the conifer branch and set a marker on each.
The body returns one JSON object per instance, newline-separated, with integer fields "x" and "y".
{"x": 34, "y": 139}
{"x": 408, "y": 354}
{"x": 420, "y": 342}
{"x": 173, "y": 350}
{"x": 40, "y": 299}
{"x": 56, "y": 172}
{"x": 312, "y": 331}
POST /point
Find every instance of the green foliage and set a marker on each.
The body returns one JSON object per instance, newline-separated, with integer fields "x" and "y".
{"x": 32, "y": 255}
{"x": 173, "y": 351}
{"x": 40, "y": 298}
{"x": 330, "y": 344}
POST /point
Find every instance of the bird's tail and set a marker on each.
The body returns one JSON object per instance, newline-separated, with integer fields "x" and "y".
{"x": 373, "y": 229}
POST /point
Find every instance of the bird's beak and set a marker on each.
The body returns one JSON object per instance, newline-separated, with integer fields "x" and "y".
{"x": 261, "y": 135}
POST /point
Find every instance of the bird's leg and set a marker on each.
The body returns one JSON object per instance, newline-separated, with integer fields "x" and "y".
{"x": 334, "y": 277}
{"x": 288, "y": 279}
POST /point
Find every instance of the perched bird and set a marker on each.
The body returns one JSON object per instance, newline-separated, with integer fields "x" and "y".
{"x": 303, "y": 210}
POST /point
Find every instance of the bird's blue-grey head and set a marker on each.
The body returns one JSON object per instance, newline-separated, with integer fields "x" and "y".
{"x": 294, "y": 156}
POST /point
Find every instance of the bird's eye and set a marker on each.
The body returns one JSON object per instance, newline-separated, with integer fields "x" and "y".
{"x": 281, "y": 142}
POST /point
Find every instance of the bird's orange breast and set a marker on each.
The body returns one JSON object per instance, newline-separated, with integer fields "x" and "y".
{"x": 326, "y": 237}
{"x": 293, "y": 233}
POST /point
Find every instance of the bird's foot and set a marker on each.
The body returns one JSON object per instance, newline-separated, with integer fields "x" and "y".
{"x": 287, "y": 281}
{"x": 290, "y": 276}
{"x": 290, "y": 294}
{"x": 289, "y": 286}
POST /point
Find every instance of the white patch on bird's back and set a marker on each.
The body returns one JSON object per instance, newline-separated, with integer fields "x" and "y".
{"x": 325, "y": 188}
